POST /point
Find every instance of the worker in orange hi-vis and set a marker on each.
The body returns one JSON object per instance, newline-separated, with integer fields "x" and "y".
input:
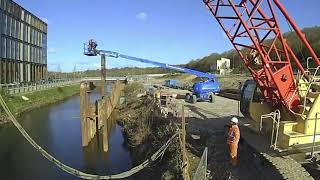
{"x": 233, "y": 140}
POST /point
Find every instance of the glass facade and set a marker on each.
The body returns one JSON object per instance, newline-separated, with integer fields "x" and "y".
{"x": 23, "y": 43}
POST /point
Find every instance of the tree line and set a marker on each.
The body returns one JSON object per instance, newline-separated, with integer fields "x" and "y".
{"x": 312, "y": 35}
{"x": 204, "y": 64}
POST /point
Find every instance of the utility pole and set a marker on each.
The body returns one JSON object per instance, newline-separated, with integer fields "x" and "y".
{"x": 185, "y": 164}
{"x": 103, "y": 74}
{"x": 59, "y": 71}
{"x": 74, "y": 71}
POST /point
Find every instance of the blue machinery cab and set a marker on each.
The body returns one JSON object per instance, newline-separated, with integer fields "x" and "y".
{"x": 206, "y": 87}
{"x": 204, "y": 91}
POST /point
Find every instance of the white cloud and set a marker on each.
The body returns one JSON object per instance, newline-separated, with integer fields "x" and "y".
{"x": 142, "y": 16}
{"x": 52, "y": 50}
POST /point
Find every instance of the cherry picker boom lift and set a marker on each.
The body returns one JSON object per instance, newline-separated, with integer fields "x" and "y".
{"x": 203, "y": 90}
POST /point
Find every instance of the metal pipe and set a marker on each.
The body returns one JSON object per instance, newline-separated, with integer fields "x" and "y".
{"x": 277, "y": 115}
{"x": 314, "y": 135}
{"x": 308, "y": 59}
{"x": 270, "y": 115}
{"x": 240, "y": 86}
{"x": 272, "y": 133}
{"x": 103, "y": 74}
{"x": 274, "y": 115}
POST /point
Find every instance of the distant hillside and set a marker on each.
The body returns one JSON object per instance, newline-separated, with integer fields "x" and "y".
{"x": 111, "y": 72}
{"x": 312, "y": 34}
{"x": 204, "y": 64}
{"x": 128, "y": 71}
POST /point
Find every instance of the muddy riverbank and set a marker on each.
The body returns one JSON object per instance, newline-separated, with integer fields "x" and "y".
{"x": 146, "y": 130}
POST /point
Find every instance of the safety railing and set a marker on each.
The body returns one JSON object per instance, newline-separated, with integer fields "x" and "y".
{"x": 308, "y": 60}
{"x": 312, "y": 81}
{"x": 275, "y": 116}
{"x": 299, "y": 79}
{"x": 305, "y": 74}
{"x": 314, "y": 134}
{"x": 201, "y": 172}
{"x": 274, "y": 138}
{"x": 314, "y": 78}
{"x": 25, "y": 88}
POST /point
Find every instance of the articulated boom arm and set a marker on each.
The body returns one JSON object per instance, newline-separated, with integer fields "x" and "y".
{"x": 90, "y": 50}
{"x": 256, "y": 36}
{"x": 167, "y": 66}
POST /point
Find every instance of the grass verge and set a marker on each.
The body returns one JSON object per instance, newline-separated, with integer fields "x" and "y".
{"x": 36, "y": 99}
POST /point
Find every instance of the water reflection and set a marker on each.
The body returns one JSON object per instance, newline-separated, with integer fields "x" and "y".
{"x": 94, "y": 151}
{"x": 57, "y": 130}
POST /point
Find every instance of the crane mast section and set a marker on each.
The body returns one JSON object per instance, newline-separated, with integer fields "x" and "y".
{"x": 253, "y": 29}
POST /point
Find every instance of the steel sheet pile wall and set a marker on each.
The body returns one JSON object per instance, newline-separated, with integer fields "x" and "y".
{"x": 95, "y": 116}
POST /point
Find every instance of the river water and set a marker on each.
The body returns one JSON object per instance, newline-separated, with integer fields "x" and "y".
{"x": 57, "y": 129}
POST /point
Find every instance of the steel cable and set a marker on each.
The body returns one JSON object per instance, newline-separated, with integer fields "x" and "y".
{"x": 76, "y": 172}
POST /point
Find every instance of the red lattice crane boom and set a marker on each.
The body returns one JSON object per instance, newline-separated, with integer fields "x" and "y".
{"x": 253, "y": 28}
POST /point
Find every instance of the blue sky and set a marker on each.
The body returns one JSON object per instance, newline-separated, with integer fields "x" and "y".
{"x": 169, "y": 31}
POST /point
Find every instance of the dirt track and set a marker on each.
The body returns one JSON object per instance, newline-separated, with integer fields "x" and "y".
{"x": 208, "y": 120}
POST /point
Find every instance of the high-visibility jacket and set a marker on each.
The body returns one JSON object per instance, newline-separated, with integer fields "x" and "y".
{"x": 158, "y": 95}
{"x": 233, "y": 134}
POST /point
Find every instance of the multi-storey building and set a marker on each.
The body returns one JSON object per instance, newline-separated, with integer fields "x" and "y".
{"x": 23, "y": 45}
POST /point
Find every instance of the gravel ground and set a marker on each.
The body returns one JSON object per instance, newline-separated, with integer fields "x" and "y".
{"x": 210, "y": 123}
{"x": 208, "y": 120}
